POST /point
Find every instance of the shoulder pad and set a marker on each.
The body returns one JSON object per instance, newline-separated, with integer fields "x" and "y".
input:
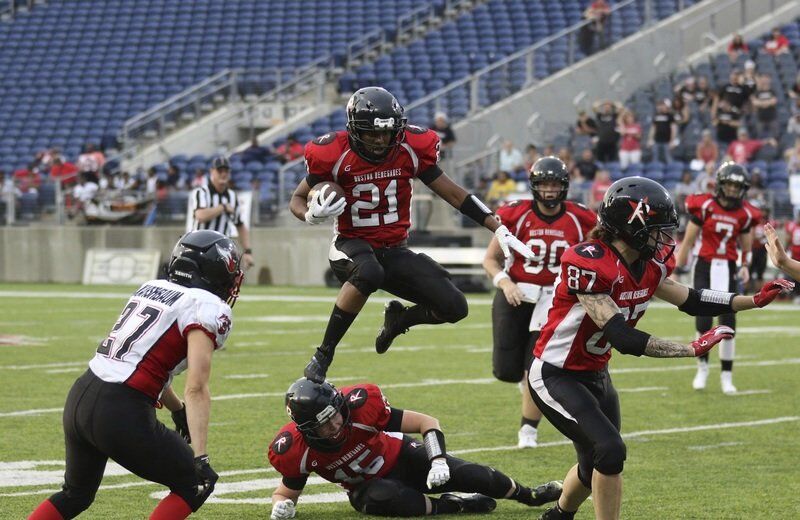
{"x": 356, "y": 398}
{"x": 282, "y": 443}
{"x": 325, "y": 139}
{"x": 589, "y": 250}
{"x": 415, "y": 129}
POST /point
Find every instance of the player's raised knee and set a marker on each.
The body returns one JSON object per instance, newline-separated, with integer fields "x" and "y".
{"x": 610, "y": 455}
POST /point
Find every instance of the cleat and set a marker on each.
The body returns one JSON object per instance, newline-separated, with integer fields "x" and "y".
{"x": 726, "y": 381}
{"x": 551, "y": 514}
{"x": 527, "y": 436}
{"x": 546, "y": 493}
{"x": 699, "y": 382}
{"x": 391, "y": 314}
{"x": 317, "y": 368}
{"x": 475, "y": 503}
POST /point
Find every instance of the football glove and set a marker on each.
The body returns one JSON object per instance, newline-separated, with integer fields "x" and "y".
{"x": 439, "y": 473}
{"x": 771, "y": 290}
{"x": 707, "y": 341}
{"x": 282, "y": 510}
{"x": 322, "y": 207}
{"x": 181, "y": 425}
{"x": 508, "y": 241}
{"x": 206, "y": 477}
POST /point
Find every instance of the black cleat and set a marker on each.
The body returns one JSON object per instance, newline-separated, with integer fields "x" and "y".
{"x": 546, "y": 493}
{"x": 390, "y": 330}
{"x": 317, "y": 368}
{"x": 475, "y": 503}
{"x": 554, "y": 513}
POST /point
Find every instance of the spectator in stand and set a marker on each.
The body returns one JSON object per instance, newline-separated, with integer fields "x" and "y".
{"x": 684, "y": 188}
{"x": 743, "y": 148}
{"x": 793, "y": 125}
{"x": 566, "y": 157}
{"x": 255, "y": 152}
{"x": 585, "y": 168}
{"x": 736, "y": 47}
{"x": 585, "y": 125}
{"x": 792, "y": 157}
{"x": 600, "y": 184}
{"x": 501, "y": 187}
{"x": 607, "y": 139}
{"x": 199, "y": 178}
{"x": 680, "y": 113}
{"x": 91, "y": 161}
{"x": 598, "y": 12}
{"x": 7, "y": 186}
{"x": 663, "y": 133}
{"x": 707, "y": 150}
{"x": 290, "y": 150}
{"x": 794, "y": 94}
{"x": 83, "y": 193}
{"x": 174, "y": 181}
{"x": 734, "y": 92}
{"x": 703, "y": 95}
{"x": 126, "y": 182}
{"x": 531, "y": 156}
{"x": 511, "y": 159}
{"x": 777, "y": 44}
{"x": 549, "y": 150}
{"x": 63, "y": 171}
{"x": 749, "y": 78}
{"x": 757, "y": 191}
{"x": 765, "y": 104}
{"x": 630, "y": 148}
{"x": 27, "y": 181}
{"x": 727, "y": 120}
{"x": 447, "y": 137}
{"x": 706, "y": 182}
{"x": 151, "y": 183}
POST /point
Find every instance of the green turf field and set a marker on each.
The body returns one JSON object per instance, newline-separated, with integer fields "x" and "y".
{"x": 690, "y": 454}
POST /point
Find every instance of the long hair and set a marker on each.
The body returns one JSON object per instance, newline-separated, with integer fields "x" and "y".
{"x": 601, "y": 233}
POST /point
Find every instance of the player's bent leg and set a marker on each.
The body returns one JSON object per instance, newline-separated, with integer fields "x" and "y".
{"x": 388, "y": 497}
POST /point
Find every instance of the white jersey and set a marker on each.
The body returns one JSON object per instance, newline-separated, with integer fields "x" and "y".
{"x": 147, "y": 345}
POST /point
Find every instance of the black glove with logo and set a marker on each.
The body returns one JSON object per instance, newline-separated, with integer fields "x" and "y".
{"x": 206, "y": 477}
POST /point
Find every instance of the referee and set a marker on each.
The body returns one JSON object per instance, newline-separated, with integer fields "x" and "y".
{"x": 216, "y": 207}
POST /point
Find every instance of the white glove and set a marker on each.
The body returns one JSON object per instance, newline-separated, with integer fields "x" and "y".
{"x": 321, "y": 209}
{"x": 439, "y": 473}
{"x": 282, "y": 510}
{"x": 508, "y": 240}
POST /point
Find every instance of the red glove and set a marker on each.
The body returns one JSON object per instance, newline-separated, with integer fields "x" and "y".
{"x": 770, "y": 291}
{"x": 705, "y": 342}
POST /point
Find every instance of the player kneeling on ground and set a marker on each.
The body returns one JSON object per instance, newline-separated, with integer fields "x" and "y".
{"x": 605, "y": 286}
{"x": 353, "y": 437}
{"x": 110, "y": 410}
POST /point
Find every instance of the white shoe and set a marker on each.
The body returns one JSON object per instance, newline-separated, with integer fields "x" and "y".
{"x": 700, "y": 378}
{"x": 527, "y": 436}
{"x": 726, "y": 381}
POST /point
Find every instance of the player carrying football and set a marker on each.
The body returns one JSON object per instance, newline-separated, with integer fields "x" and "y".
{"x": 604, "y": 287}
{"x": 355, "y": 438}
{"x": 724, "y": 218}
{"x": 375, "y": 161}
{"x": 549, "y": 225}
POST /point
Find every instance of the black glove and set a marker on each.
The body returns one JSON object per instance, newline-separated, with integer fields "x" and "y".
{"x": 206, "y": 477}
{"x": 181, "y": 425}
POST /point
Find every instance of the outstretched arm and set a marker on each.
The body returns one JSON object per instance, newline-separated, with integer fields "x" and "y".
{"x": 709, "y": 303}
{"x": 778, "y": 254}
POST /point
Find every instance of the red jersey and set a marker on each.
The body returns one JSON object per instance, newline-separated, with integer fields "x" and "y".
{"x": 378, "y": 195}
{"x": 571, "y": 339}
{"x": 548, "y": 237}
{"x": 721, "y": 227}
{"x": 368, "y": 453}
{"x": 793, "y": 232}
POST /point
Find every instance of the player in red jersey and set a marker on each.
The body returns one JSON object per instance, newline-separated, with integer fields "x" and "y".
{"x": 167, "y": 326}
{"x": 355, "y": 438}
{"x": 375, "y": 161}
{"x": 549, "y": 225}
{"x": 604, "y": 288}
{"x": 725, "y": 218}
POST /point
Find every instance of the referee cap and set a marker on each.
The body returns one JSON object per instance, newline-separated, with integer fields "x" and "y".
{"x": 221, "y": 162}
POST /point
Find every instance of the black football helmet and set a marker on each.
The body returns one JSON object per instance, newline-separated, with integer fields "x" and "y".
{"x": 549, "y": 169}
{"x": 310, "y": 405}
{"x": 732, "y": 173}
{"x": 207, "y": 260}
{"x": 374, "y": 109}
{"x": 632, "y": 209}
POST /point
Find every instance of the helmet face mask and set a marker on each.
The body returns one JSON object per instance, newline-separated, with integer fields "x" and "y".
{"x": 733, "y": 181}
{"x": 320, "y": 412}
{"x": 207, "y": 260}
{"x": 375, "y": 123}
{"x": 549, "y": 172}
{"x": 640, "y": 212}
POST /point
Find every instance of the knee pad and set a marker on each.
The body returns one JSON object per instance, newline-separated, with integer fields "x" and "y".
{"x": 71, "y": 502}
{"x": 609, "y": 456}
{"x": 452, "y": 309}
{"x": 368, "y": 277}
{"x": 508, "y": 374}
{"x": 383, "y": 497}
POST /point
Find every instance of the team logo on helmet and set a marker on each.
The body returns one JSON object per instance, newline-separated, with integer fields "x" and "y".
{"x": 641, "y": 210}
{"x": 227, "y": 256}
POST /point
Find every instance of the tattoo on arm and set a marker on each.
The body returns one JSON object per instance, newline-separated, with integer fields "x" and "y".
{"x": 657, "y": 347}
{"x": 599, "y": 307}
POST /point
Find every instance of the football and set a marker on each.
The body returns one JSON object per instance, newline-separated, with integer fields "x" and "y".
{"x": 332, "y": 187}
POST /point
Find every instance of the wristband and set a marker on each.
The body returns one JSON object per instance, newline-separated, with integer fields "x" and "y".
{"x": 502, "y": 275}
{"x": 473, "y": 208}
{"x": 434, "y": 443}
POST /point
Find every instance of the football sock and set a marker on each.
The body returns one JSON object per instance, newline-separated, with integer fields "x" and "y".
{"x": 565, "y": 515}
{"x": 727, "y": 365}
{"x": 417, "y": 315}
{"x": 534, "y": 423}
{"x": 521, "y": 493}
{"x": 338, "y": 324}
{"x": 46, "y": 511}
{"x": 172, "y": 507}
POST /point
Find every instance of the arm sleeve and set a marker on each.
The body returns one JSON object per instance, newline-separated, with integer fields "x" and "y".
{"x": 584, "y": 272}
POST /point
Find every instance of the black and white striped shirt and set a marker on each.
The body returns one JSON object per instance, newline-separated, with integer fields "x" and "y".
{"x": 207, "y": 197}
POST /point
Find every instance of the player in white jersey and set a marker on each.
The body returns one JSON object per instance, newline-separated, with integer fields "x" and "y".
{"x": 165, "y": 327}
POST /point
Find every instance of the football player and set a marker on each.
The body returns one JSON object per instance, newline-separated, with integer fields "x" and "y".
{"x": 604, "y": 288}
{"x": 165, "y": 326}
{"x": 375, "y": 161}
{"x": 549, "y": 225}
{"x": 355, "y": 438}
{"x": 725, "y": 218}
